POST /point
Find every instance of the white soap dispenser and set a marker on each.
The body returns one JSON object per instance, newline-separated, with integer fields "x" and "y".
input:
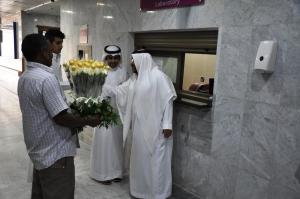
{"x": 266, "y": 56}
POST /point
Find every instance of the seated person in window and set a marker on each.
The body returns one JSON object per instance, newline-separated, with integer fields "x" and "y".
{"x": 204, "y": 88}
{"x": 199, "y": 87}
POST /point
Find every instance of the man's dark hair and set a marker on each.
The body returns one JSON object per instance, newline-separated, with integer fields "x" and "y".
{"x": 51, "y": 34}
{"x": 32, "y": 45}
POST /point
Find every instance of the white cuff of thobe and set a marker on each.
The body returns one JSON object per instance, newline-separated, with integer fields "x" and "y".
{"x": 168, "y": 116}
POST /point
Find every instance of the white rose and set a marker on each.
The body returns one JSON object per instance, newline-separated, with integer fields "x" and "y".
{"x": 80, "y": 70}
{"x": 97, "y": 71}
{"x": 91, "y": 72}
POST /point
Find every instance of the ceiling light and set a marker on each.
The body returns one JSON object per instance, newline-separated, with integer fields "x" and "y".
{"x": 68, "y": 11}
{"x": 100, "y": 4}
{"x": 150, "y": 12}
{"x": 108, "y": 17}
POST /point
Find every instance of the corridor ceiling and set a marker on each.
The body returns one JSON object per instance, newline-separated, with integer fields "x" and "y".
{"x": 10, "y": 7}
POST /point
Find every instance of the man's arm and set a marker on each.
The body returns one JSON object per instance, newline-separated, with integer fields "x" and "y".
{"x": 57, "y": 107}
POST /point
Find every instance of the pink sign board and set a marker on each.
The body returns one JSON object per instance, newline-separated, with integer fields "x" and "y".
{"x": 83, "y": 34}
{"x": 161, "y": 4}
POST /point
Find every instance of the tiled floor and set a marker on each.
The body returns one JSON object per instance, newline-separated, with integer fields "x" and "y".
{"x": 14, "y": 160}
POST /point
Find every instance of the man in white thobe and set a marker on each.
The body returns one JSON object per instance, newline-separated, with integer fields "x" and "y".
{"x": 145, "y": 104}
{"x": 107, "y": 145}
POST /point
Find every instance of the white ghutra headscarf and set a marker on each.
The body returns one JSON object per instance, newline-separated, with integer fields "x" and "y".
{"x": 111, "y": 50}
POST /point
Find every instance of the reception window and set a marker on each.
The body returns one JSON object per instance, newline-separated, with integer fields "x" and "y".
{"x": 188, "y": 58}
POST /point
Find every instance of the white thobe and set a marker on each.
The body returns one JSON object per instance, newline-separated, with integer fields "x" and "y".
{"x": 150, "y": 174}
{"x": 107, "y": 144}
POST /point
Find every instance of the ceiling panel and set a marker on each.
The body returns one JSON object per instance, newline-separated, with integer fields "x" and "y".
{"x": 50, "y": 9}
{"x": 8, "y": 7}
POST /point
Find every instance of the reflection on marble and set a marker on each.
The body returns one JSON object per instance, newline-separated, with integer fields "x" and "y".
{"x": 235, "y": 41}
{"x": 228, "y": 119}
{"x": 272, "y": 12}
{"x": 280, "y": 192}
{"x": 169, "y": 19}
{"x": 264, "y": 87}
{"x": 225, "y": 147}
{"x": 179, "y": 193}
{"x": 292, "y": 63}
{"x": 297, "y": 174}
{"x": 195, "y": 125}
{"x": 206, "y": 15}
{"x": 290, "y": 92}
{"x": 292, "y": 50}
{"x": 247, "y": 183}
{"x": 258, "y": 139}
{"x": 287, "y": 156}
{"x": 192, "y": 146}
{"x": 296, "y": 11}
{"x": 238, "y": 13}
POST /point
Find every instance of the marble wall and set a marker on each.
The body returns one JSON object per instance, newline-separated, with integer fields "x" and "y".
{"x": 248, "y": 145}
{"x": 255, "y": 147}
{"x": 192, "y": 148}
{"x": 31, "y": 20}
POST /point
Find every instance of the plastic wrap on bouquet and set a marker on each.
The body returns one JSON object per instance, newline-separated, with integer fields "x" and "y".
{"x": 86, "y": 76}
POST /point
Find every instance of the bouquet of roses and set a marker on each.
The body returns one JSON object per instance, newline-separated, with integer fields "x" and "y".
{"x": 92, "y": 106}
{"x": 87, "y": 76}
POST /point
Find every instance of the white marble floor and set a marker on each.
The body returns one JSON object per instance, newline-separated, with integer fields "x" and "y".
{"x": 13, "y": 157}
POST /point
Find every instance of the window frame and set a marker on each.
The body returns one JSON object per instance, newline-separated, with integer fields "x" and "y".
{"x": 184, "y": 96}
{"x": 176, "y": 44}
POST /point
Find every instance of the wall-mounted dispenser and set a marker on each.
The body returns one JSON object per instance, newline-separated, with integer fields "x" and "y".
{"x": 266, "y": 56}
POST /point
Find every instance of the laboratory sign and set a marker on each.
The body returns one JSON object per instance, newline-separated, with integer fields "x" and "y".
{"x": 147, "y": 5}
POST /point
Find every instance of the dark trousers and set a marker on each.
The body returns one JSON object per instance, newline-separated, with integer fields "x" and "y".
{"x": 55, "y": 182}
